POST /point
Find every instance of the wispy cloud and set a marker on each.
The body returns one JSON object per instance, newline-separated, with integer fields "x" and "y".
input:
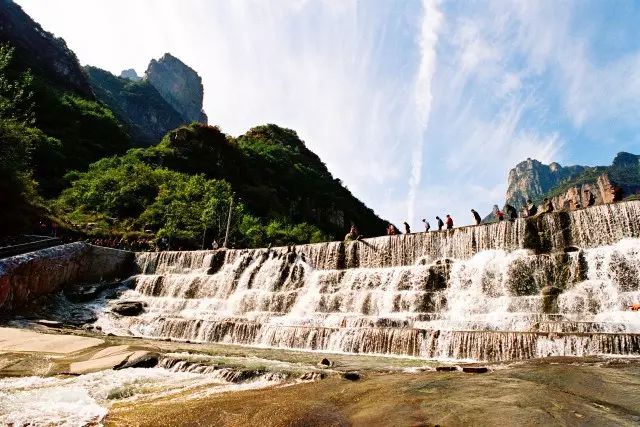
{"x": 420, "y": 107}
{"x": 430, "y": 27}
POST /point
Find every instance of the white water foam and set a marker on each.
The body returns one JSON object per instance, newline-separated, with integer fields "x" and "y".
{"x": 84, "y": 400}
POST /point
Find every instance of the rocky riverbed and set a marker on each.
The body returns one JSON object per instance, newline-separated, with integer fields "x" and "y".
{"x": 68, "y": 377}
{"x": 525, "y": 322}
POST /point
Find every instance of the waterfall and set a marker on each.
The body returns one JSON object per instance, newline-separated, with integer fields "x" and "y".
{"x": 554, "y": 285}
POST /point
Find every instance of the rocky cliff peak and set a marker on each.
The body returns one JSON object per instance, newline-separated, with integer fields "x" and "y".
{"x": 531, "y": 179}
{"x": 40, "y": 51}
{"x": 130, "y": 74}
{"x": 179, "y": 85}
{"x": 624, "y": 159}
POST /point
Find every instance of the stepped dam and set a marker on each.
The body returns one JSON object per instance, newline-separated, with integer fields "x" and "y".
{"x": 559, "y": 284}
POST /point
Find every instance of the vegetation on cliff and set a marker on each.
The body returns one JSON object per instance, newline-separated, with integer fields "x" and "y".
{"x": 65, "y": 155}
{"x": 44, "y": 133}
{"x": 137, "y": 104}
{"x": 182, "y": 188}
{"x": 624, "y": 172}
{"x": 533, "y": 180}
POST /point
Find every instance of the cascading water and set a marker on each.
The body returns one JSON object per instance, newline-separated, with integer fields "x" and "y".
{"x": 559, "y": 284}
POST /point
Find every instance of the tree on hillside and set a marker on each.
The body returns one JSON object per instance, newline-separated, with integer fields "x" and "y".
{"x": 16, "y": 94}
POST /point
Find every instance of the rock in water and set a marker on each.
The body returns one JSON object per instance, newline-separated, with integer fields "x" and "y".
{"x": 87, "y": 292}
{"x": 139, "y": 359}
{"x": 179, "y": 85}
{"x": 351, "y": 376}
{"x": 49, "y": 323}
{"x": 475, "y": 369}
{"x": 127, "y": 308}
{"x": 446, "y": 368}
{"x": 550, "y": 299}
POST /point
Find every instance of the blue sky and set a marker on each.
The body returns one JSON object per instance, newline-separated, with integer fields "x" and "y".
{"x": 420, "y": 107}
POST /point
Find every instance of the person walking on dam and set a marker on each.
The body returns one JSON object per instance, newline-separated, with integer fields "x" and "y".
{"x": 427, "y": 226}
{"x": 532, "y": 208}
{"x": 392, "y": 230}
{"x": 449, "y": 222}
{"x": 440, "y": 223}
{"x": 476, "y": 216}
{"x": 407, "y": 228}
{"x": 353, "y": 234}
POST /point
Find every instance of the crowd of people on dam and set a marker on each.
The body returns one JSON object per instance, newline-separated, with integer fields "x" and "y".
{"x": 151, "y": 243}
{"x": 509, "y": 213}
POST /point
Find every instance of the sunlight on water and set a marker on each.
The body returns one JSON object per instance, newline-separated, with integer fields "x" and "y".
{"x": 474, "y": 293}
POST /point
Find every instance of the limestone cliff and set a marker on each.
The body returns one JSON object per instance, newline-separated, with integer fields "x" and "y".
{"x": 575, "y": 186}
{"x": 179, "y": 85}
{"x": 130, "y": 74}
{"x": 137, "y": 104}
{"x": 40, "y": 51}
{"x": 585, "y": 194}
{"x": 531, "y": 179}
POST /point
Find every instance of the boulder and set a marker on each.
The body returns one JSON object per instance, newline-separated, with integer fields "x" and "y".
{"x": 49, "y": 323}
{"x": 325, "y": 362}
{"x": 351, "y": 376}
{"x": 127, "y": 308}
{"x": 139, "y": 359}
{"x": 313, "y": 376}
{"x": 113, "y": 293}
{"x": 88, "y": 292}
{"x": 550, "y": 299}
{"x": 446, "y": 368}
{"x": 475, "y": 369}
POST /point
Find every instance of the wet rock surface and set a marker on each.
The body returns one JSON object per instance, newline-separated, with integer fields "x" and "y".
{"x": 88, "y": 292}
{"x": 127, "y": 308}
{"x": 475, "y": 369}
{"x": 446, "y": 368}
{"x": 49, "y": 323}
{"x": 532, "y": 394}
{"x": 352, "y": 376}
{"x": 140, "y": 359}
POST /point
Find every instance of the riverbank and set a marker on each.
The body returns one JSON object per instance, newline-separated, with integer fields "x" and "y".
{"x": 535, "y": 393}
{"x": 226, "y": 385}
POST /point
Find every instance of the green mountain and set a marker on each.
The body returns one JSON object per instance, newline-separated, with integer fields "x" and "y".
{"x": 182, "y": 187}
{"x": 50, "y": 122}
{"x": 66, "y": 154}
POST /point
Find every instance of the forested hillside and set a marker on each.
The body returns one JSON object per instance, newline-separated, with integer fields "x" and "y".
{"x": 67, "y": 158}
{"x": 182, "y": 189}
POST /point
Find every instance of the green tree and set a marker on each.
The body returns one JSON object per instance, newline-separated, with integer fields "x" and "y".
{"x": 16, "y": 94}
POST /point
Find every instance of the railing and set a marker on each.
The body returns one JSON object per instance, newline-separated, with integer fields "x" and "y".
{"x": 22, "y": 248}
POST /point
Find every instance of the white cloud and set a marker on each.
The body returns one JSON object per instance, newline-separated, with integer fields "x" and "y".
{"x": 418, "y": 108}
{"x": 431, "y": 22}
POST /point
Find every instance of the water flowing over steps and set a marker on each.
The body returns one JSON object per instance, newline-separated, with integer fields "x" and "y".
{"x": 554, "y": 285}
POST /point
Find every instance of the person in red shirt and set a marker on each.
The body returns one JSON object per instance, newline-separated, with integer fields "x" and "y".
{"x": 391, "y": 230}
{"x": 449, "y": 222}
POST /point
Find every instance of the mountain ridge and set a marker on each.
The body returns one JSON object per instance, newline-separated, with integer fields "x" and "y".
{"x": 575, "y": 186}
